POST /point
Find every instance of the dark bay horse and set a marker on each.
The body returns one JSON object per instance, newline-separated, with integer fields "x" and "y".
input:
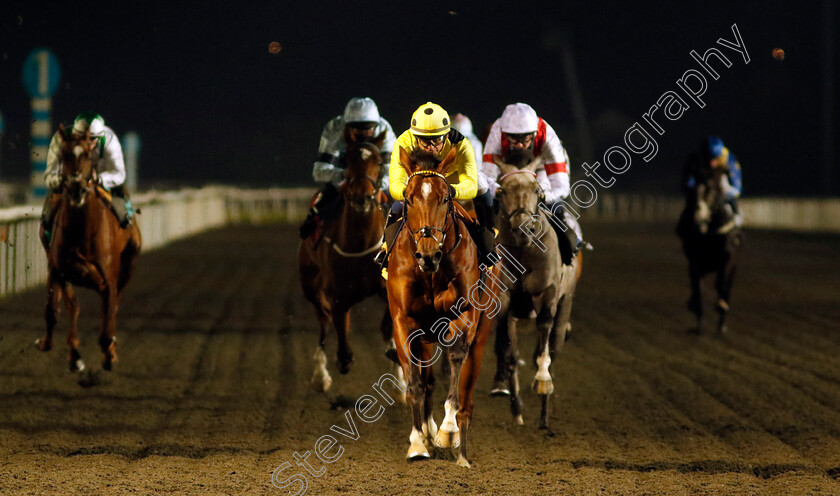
{"x": 437, "y": 295}
{"x": 711, "y": 241}
{"x": 337, "y": 270}
{"x": 88, "y": 248}
{"x": 542, "y": 283}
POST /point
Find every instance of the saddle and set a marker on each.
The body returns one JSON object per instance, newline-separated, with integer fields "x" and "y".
{"x": 121, "y": 209}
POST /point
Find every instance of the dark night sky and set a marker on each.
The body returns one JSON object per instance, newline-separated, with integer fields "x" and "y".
{"x": 211, "y": 104}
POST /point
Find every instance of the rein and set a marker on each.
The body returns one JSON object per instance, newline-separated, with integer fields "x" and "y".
{"x": 348, "y": 254}
{"x": 520, "y": 210}
{"x": 428, "y": 231}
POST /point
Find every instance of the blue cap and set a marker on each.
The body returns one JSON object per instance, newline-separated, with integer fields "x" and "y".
{"x": 715, "y": 146}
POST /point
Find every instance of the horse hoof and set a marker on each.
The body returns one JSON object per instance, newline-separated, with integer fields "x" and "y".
{"x": 463, "y": 462}
{"x": 416, "y": 455}
{"x": 77, "y": 365}
{"x": 543, "y": 387}
{"x": 108, "y": 363}
{"x": 723, "y": 329}
{"x": 391, "y": 354}
{"x": 447, "y": 439}
{"x": 43, "y": 344}
{"x": 499, "y": 390}
{"x": 321, "y": 383}
{"x": 518, "y": 420}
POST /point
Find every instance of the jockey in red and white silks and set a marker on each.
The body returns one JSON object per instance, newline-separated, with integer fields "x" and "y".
{"x": 518, "y": 129}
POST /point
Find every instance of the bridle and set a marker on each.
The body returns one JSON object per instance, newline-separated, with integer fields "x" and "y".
{"x": 429, "y": 231}
{"x": 521, "y": 210}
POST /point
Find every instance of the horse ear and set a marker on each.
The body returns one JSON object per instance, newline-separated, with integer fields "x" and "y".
{"x": 62, "y": 132}
{"x": 348, "y": 136}
{"x": 449, "y": 160}
{"x": 405, "y": 160}
{"x": 379, "y": 140}
{"x": 533, "y": 165}
{"x": 503, "y": 167}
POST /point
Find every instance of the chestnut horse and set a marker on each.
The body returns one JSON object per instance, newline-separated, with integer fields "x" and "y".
{"x": 434, "y": 273}
{"x": 88, "y": 248}
{"x": 337, "y": 269}
{"x": 712, "y": 241}
{"x": 542, "y": 283}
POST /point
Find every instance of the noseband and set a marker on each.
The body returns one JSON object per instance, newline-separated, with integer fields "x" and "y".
{"x": 521, "y": 210}
{"x": 429, "y": 231}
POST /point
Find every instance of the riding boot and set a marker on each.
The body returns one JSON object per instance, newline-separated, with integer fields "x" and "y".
{"x": 121, "y": 204}
{"x": 319, "y": 211}
{"x": 392, "y": 229}
{"x": 486, "y": 239}
{"x": 48, "y": 213}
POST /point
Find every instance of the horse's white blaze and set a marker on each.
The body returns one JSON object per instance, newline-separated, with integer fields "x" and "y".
{"x": 426, "y": 189}
{"x": 78, "y": 150}
{"x": 366, "y": 153}
{"x": 321, "y": 380}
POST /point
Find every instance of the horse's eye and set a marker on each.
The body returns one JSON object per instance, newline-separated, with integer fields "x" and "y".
{"x": 445, "y": 199}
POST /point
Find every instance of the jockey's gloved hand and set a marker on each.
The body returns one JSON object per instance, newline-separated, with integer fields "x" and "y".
{"x": 451, "y": 192}
{"x": 53, "y": 181}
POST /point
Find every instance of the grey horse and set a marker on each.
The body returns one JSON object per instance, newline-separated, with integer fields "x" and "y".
{"x": 538, "y": 282}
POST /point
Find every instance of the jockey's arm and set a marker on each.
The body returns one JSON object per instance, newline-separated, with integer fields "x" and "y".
{"x": 111, "y": 166}
{"x": 467, "y": 186}
{"x": 52, "y": 176}
{"x": 325, "y": 169}
{"x": 492, "y": 147}
{"x": 396, "y": 173}
{"x": 555, "y": 166}
{"x": 732, "y": 189}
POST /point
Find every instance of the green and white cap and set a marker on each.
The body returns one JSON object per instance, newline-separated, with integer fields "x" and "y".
{"x": 92, "y": 121}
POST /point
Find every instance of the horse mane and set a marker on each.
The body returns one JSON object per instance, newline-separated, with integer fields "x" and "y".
{"x": 423, "y": 160}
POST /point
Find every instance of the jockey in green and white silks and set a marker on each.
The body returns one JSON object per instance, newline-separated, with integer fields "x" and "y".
{"x": 362, "y": 120}
{"x": 107, "y": 160}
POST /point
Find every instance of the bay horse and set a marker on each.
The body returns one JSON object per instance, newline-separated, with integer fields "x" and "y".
{"x": 712, "y": 241}
{"x": 542, "y": 283}
{"x": 434, "y": 272}
{"x": 87, "y": 248}
{"x": 337, "y": 269}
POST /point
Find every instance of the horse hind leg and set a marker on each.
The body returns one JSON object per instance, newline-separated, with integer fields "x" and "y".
{"x": 469, "y": 377}
{"x": 512, "y": 364}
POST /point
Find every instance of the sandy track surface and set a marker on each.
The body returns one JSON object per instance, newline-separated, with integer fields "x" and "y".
{"x": 211, "y": 393}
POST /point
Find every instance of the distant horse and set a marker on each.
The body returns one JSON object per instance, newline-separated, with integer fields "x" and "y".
{"x": 711, "y": 241}
{"x": 543, "y": 284}
{"x": 435, "y": 291}
{"x": 87, "y": 248}
{"x": 337, "y": 269}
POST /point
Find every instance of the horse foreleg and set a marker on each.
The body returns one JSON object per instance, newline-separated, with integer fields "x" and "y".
{"x": 50, "y": 312}
{"x": 72, "y": 304}
{"x": 695, "y": 301}
{"x": 448, "y": 434}
{"x": 723, "y": 283}
{"x": 341, "y": 319}
{"x": 469, "y": 377}
{"x": 430, "y": 428}
{"x": 543, "y": 384}
{"x": 321, "y": 380}
{"x": 108, "y": 335}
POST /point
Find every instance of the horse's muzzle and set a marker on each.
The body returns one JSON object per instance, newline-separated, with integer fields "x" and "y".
{"x": 429, "y": 263}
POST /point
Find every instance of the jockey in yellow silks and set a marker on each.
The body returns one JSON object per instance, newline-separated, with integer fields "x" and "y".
{"x": 431, "y": 130}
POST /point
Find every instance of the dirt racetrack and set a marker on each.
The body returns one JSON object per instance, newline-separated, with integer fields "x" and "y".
{"x": 211, "y": 392}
